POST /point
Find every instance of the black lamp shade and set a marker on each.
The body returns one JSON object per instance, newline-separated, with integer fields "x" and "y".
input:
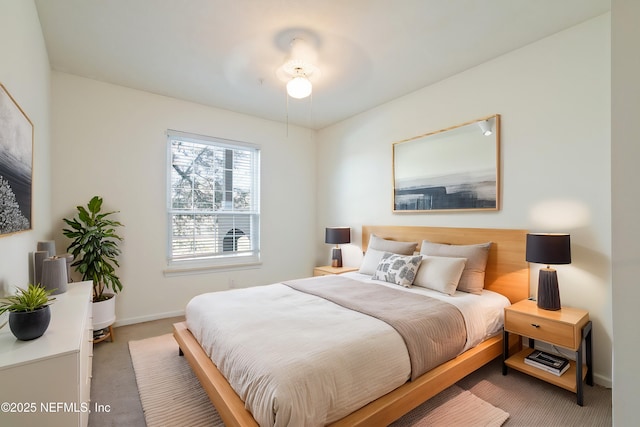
{"x": 549, "y": 248}
{"x": 337, "y": 235}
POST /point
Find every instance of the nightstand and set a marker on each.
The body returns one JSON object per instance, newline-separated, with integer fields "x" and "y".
{"x": 567, "y": 328}
{"x": 327, "y": 269}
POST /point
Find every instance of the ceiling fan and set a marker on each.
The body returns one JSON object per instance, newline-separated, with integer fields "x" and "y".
{"x": 299, "y": 69}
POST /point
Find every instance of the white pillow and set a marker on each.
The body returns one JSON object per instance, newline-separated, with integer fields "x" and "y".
{"x": 398, "y": 269}
{"x": 370, "y": 261}
{"x": 441, "y": 274}
{"x": 472, "y": 279}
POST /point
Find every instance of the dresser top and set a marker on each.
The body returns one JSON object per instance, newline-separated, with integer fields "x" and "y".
{"x": 65, "y": 333}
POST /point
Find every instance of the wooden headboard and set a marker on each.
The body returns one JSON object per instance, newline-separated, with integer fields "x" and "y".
{"x": 507, "y": 270}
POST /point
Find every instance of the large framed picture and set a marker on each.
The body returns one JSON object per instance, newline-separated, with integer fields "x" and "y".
{"x": 16, "y": 166}
{"x": 453, "y": 169}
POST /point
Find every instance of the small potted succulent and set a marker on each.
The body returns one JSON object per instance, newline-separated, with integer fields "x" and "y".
{"x": 29, "y": 312}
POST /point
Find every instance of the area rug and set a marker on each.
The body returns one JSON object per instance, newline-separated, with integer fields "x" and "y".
{"x": 172, "y": 396}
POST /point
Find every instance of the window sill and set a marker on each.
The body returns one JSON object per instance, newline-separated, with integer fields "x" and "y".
{"x": 186, "y": 269}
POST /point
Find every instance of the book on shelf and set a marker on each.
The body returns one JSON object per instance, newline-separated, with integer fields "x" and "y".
{"x": 551, "y": 363}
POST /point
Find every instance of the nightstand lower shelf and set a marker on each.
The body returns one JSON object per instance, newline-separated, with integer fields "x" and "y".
{"x": 566, "y": 380}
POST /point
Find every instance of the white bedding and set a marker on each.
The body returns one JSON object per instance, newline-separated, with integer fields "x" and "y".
{"x": 299, "y": 360}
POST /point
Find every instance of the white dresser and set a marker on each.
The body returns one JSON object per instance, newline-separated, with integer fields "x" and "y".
{"x": 47, "y": 381}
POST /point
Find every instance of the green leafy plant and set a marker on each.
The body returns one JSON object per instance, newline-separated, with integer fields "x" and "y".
{"x": 95, "y": 247}
{"x": 30, "y": 299}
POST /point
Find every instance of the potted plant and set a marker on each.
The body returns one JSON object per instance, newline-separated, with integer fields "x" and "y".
{"x": 95, "y": 251}
{"x": 29, "y": 312}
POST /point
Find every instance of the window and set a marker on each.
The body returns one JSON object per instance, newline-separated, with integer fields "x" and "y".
{"x": 213, "y": 201}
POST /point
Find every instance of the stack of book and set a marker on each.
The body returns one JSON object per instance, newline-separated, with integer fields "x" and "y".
{"x": 552, "y": 363}
{"x": 100, "y": 333}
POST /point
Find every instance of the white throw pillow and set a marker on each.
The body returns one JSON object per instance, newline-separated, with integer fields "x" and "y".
{"x": 472, "y": 279}
{"x": 370, "y": 261}
{"x": 441, "y": 274}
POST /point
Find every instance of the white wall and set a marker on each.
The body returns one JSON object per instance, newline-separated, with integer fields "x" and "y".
{"x": 24, "y": 72}
{"x": 625, "y": 153}
{"x": 110, "y": 141}
{"x": 554, "y": 98}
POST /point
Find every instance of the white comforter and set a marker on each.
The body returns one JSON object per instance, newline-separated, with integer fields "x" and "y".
{"x": 299, "y": 360}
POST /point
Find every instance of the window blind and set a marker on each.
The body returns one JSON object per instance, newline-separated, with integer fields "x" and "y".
{"x": 213, "y": 203}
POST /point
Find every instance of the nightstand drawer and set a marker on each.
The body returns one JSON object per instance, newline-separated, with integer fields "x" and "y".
{"x": 551, "y": 331}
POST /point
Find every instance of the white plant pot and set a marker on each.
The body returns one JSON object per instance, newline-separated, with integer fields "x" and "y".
{"x": 104, "y": 313}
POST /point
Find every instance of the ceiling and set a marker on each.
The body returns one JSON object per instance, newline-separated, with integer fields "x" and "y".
{"x": 225, "y": 53}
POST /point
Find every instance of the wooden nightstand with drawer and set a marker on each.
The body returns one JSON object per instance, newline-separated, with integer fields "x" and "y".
{"x": 567, "y": 328}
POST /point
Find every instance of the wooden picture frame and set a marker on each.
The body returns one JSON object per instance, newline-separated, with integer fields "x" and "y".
{"x": 453, "y": 169}
{"x": 16, "y": 166}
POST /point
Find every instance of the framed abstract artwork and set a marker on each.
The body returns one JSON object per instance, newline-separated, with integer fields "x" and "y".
{"x": 16, "y": 166}
{"x": 454, "y": 169}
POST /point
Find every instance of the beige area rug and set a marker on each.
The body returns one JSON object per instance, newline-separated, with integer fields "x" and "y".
{"x": 172, "y": 396}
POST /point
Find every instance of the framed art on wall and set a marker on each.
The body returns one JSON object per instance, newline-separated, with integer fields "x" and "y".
{"x": 454, "y": 169}
{"x": 16, "y": 166}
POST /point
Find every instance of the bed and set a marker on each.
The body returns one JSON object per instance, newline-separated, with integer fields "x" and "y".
{"x": 506, "y": 274}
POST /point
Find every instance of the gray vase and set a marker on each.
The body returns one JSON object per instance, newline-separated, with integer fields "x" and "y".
{"x": 54, "y": 275}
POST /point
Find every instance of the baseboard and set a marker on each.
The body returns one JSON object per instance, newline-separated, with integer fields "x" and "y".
{"x": 602, "y": 380}
{"x": 141, "y": 319}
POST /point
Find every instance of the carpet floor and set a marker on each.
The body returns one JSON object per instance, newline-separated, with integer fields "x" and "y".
{"x": 172, "y": 396}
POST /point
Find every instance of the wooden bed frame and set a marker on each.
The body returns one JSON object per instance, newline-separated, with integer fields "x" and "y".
{"x": 507, "y": 273}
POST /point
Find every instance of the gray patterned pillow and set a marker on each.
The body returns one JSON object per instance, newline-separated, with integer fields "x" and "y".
{"x": 398, "y": 269}
{"x": 378, "y": 246}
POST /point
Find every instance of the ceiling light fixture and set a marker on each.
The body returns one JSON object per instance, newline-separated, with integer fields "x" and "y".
{"x": 298, "y": 69}
{"x": 299, "y": 87}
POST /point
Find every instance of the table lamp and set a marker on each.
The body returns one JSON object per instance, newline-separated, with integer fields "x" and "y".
{"x": 337, "y": 236}
{"x": 548, "y": 248}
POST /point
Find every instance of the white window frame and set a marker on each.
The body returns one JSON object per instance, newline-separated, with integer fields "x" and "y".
{"x": 220, "y": 259}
